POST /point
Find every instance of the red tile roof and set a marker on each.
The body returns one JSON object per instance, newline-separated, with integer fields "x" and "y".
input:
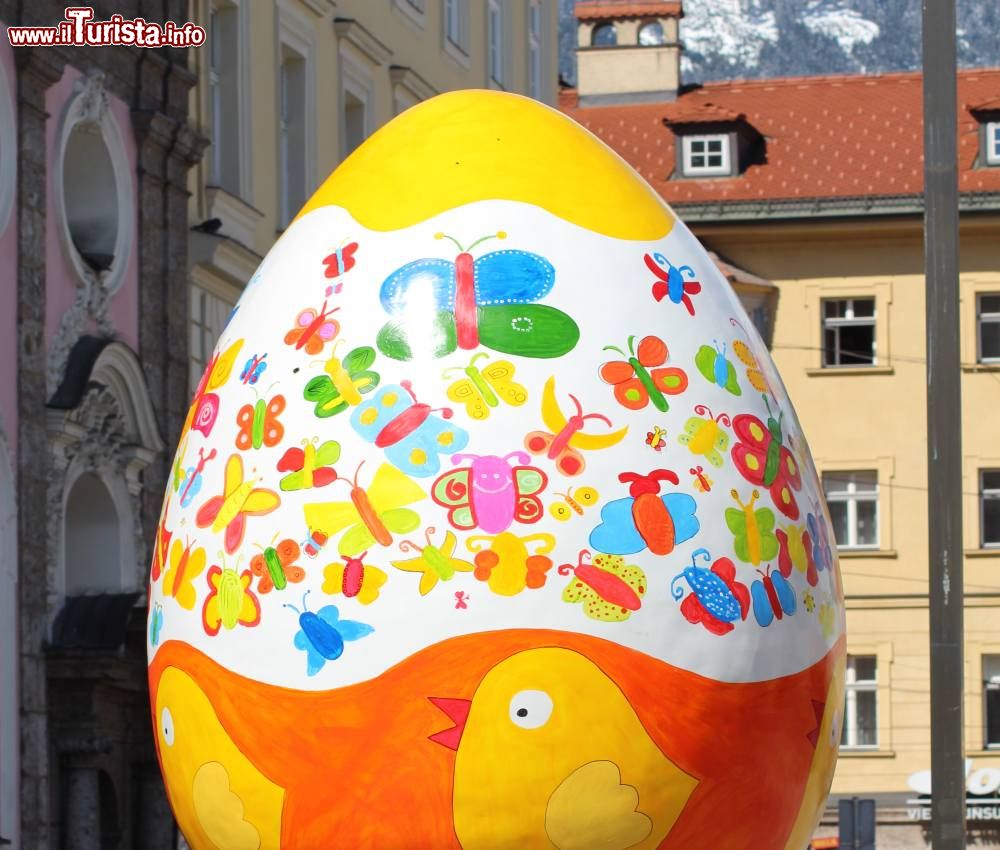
{"x": 826, "y": 137}
{"x": 592, "y": 10}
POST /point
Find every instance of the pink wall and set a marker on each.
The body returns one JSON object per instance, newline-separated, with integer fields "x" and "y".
{"x": 8, "y": 283}
{"x": 61, "y": 284}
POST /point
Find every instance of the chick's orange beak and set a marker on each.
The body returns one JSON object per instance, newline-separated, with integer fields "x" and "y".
{"x": 458, "y": 712}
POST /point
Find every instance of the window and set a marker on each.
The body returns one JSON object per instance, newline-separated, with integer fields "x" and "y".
{"x": 92, "y": 183}
{"x": 988, "y": 325}
{"x": 993, "y": 143}
{"x": 860, "y": 702}
{"x": 849, "y": 332}
{"x": 209, "y": 315}
{"x": 991, "y": 698}
{"x": 535, "y": 50}
{"x": 455, "y": 24}
{"x": 92, "y": 539}
{"x": 291, "y": 134}
{"x": 604, "y": 35}
{"x": 354, "y": 122}
{"x": 651, "y": 34}
{"x": 706, "y": 155}
{"x": 224, "y": 98}
{"x": 416, "y": 4}
{"x": 989, "y": 507}
{"x": 494, "y": 23}
{"x": 852, "y": 498}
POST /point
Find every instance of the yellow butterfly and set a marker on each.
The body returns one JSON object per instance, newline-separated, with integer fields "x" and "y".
{"x": 483, "y": 388}
{"x": 354, "y": 579}
{"x": 373, "y": 513}
{"x": 436, "y": 563}
{"x": 585, "y": 497}
{"x": 185, "y": 565}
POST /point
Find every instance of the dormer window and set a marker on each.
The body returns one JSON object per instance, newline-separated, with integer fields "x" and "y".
{"x": 706, "y": 155}
{"x": 993, "y": 143}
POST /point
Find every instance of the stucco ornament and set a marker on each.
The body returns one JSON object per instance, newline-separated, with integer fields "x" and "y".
{"x": 492, "y": 525}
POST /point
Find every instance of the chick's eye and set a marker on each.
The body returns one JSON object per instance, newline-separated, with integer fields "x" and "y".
{"x": 530, "y": 709}
{"x": 167, "y": 726}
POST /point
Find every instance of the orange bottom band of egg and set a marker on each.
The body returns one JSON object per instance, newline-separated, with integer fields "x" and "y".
{"x": 363, "y": 765}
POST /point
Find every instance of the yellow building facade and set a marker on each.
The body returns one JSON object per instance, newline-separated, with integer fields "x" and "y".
{"x": 287, "y": 89}
{"x": 814, "y": 185}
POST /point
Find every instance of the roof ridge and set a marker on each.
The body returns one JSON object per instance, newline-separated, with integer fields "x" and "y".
{"x": 819, "y": 78}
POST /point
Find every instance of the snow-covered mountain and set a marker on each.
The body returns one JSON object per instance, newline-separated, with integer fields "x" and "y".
{"x": 726, "y": 39}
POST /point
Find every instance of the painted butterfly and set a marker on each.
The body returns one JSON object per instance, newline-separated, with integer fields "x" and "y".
{"x": 487, "y": 301}
{"x": 409, "y": 432}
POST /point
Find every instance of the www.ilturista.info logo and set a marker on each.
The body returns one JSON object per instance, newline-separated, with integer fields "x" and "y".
{"x": 79, "y": 28}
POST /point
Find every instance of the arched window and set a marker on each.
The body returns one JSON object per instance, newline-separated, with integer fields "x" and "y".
{"x": 604, "y": 35}
{"x": 651, "y": 34}
{"x": 93, "y": 539}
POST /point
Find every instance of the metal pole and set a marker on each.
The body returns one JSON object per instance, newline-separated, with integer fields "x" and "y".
{"x": 944, "y": 425}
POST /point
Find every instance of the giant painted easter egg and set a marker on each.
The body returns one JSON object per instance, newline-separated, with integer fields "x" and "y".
{"x": 491, "y": 524}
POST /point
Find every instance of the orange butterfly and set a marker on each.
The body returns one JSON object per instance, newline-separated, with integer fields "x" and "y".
{"x": 238, "y": 500}
{"x": 275, "y": 566}
{"x": 259, "y": 425}
{"x": 754, "y": 373}
{"x": 636, "y": 382}
{"x": 313, "y": 328}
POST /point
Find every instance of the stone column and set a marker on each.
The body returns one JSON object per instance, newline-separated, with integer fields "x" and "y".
{"x": 167, "y": 148}
{"x": 83, "y": 809}
{"x": 37, "y": 69}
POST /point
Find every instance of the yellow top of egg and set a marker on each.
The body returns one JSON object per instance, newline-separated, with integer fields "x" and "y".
{"x": 476, "y": 145}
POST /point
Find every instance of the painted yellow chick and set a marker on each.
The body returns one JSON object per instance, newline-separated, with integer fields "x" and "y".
{"x": 550, "y": 754}
{"x": 219, "y": 798}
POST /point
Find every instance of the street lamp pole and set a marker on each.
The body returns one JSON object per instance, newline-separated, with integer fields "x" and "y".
{"x": 944, "y": 425}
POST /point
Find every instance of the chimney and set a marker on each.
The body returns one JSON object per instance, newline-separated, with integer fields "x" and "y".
{"x": 628, "y": 52}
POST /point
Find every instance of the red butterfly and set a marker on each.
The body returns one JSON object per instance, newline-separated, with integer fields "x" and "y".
{"x": 314, "y": 328}
{"x": 670, "y": 282}
{"x": 340, "y": 261}
{"x": 762, "y": 459}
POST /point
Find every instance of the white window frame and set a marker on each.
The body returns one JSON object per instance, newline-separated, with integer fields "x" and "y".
{"x": 848, "y": 320}
{"x": 455, "y": 20}
{"x": 991, "y": 494}
{"x": 852, "y": 687}
{"x": 295, "y": 36}
{"x": 495, "y": 42}
{"x": 993, "y": 143}
{"x": 687, "y": 154}
{"x": 851, "y": 495}
{"x": 991, "y": 683}
{"x": 357, "y": 80}
{"x": 220, "y": 106}
{"x": 535, "y": 49}
{"x": 984, "y": 318}
{"x": 415, "y": 10}
{"x": 89, "y": 105}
